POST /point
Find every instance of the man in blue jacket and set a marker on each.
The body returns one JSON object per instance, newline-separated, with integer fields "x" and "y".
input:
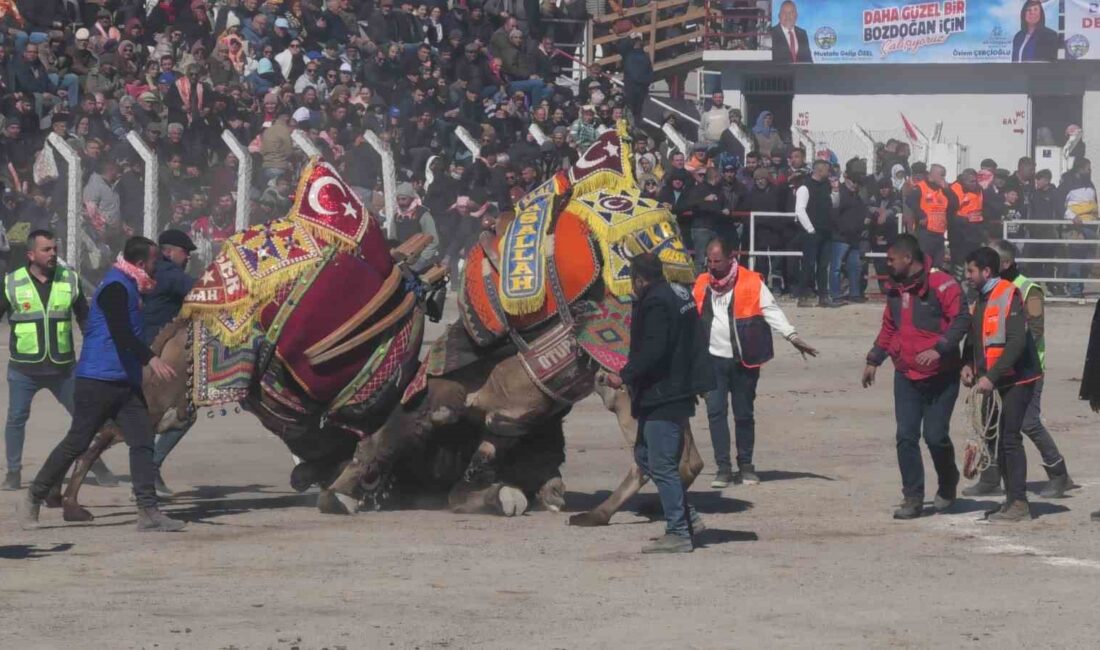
{"x": 108, "y": 386}
{"x": 667, "y": 368}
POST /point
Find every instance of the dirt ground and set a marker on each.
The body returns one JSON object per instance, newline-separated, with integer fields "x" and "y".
{"x": 808, "y": 558}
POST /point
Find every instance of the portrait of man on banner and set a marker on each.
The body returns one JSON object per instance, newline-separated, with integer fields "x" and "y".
{"x": 790, "y": 43}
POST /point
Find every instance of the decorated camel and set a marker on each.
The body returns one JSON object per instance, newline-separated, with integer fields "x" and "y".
{"x": 322, "y": 280}
{"x": 313, "y": 325}
{"x": 544, "y": 310}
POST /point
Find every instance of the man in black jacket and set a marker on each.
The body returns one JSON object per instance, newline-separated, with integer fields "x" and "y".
{"x": 710, "y": 216}
{"x": 667, "y": 368}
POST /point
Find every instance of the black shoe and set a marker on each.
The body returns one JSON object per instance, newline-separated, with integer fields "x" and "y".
{"x": 1095, "y": 516}
{"x": 829, "y": 304}
{"x": 747, "y": 474}
{"x": 722, "y": 479}
{"x": 858, "y": 300}
{"x": 12, "y": 480}
{"x": 910, "y": 508}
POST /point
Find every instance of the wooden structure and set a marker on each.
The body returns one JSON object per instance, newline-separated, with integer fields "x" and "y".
{"x": 663, "y": 25}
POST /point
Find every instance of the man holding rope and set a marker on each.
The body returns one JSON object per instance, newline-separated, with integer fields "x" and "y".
{"x": 1002, "y": 364}
{"x": 924, "y": 321}
{"x": 1053, "y": 461}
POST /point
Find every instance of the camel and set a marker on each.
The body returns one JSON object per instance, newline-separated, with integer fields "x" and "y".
{"x": 497, "y": 396}
{"x": 531, "y": 468}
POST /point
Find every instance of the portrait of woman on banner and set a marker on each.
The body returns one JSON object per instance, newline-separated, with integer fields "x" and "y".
{"x": 1035, "y": 41}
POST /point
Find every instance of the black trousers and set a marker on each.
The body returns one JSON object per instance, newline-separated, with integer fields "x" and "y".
{"x": 1010, "y": 452}
{"x": 94, "y": 403}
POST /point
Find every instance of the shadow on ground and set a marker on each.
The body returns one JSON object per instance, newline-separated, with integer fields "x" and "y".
{"x": 768, "y": 476}
{"x": 31, "y": 551}
{"x": 714, "y": 537}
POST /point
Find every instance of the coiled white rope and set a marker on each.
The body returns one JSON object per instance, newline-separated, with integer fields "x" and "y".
{"x": 985, "y": 431}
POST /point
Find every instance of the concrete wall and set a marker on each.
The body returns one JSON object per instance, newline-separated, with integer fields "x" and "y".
{"x": 993, "y": 126}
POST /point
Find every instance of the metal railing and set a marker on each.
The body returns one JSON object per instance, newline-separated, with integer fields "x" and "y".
{"x": 1048, "y": 262}
{"x": 73, "y": 198}
{"x": 244, "y": 178}
{"x": 152, "y": 185}
{"x": 736, "y": 24}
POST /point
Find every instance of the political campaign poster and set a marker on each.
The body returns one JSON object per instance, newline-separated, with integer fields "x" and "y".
{"x": 885, "y": 32}
{"x": 1082, "y": 29}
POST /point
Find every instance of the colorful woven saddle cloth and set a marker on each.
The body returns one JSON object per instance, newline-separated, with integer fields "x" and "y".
{"x": 573, "y": 267}
{"x": 335, "y": 320}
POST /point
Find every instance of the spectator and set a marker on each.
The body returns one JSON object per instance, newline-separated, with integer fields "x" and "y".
{"x": 766, "y": 136}
{"x": 637, "y": 75}
{"x": 852, "y": 219}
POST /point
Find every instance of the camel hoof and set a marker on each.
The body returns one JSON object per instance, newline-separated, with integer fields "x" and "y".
{"x": 588, "y": 520}
{"x": 512, "y": 501}
{"x": 75, "y": 513}
{"x": 551, "y": 496}
{"x": 331, "y": 502}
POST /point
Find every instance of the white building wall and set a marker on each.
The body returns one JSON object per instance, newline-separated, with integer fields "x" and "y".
{"x": 992, "y": 126}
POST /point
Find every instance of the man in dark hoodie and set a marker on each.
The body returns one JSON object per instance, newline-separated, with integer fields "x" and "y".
{"x": 667, "y": 368}
{"x": 710, "y": 215}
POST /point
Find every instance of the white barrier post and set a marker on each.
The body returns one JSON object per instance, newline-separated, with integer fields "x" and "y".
{"x": 244, "y": 178}
{"x": 389, "y": 182}
{"x": 152, "y": 185}
{"x": 803, "y": 139}
{"x": 869, "y": 142}
{"x": 468, "y": 140}
{"x": 302, "y": 141}
{"x": 537, "y": 133}
{"x": 741, "y": 136}
{"x": 1071, "y": 144}
{"x": 675, "y": 138}
{"x": 73, "y": 197}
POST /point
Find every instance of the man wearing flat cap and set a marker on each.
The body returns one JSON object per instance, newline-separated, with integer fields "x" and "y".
{"x": 162, "y": 305}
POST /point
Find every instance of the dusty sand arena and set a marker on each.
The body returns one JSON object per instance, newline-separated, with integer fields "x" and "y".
{"x": 808, "y": 558}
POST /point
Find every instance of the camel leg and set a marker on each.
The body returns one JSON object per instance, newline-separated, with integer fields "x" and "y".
{"x": 480, "y": 491}
{"x": 71, "y": 509}
{"x": 601, "y": 514}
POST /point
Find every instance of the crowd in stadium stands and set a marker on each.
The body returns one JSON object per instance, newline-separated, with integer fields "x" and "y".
{"x": 179, "y": 73}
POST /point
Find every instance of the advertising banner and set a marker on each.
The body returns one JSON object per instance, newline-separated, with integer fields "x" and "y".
{"x": 1082, "y": 29}
{"x": 947, "y": 31}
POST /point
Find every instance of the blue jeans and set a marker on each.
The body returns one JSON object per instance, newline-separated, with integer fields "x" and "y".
{"x": 70, "y": 83}
{"x": 929, "y": 402}
{"x": 700, "y": 237}
{"x": 847, "y": 256}
{"x": 737, "y": 384}
{"x": 21, "y": 391}
{"x": 657, "y": 453}
{"x": 166, "y": 442}
{"x": 536, "y": 88}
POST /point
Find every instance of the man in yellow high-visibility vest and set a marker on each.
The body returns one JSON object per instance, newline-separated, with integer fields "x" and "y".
{"x": 41, "y": 300}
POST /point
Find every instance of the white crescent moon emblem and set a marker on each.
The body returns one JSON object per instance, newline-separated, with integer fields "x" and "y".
{"x": 315, "y": 193}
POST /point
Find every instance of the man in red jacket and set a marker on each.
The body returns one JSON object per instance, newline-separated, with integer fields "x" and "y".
{"x": 925, "y": 320}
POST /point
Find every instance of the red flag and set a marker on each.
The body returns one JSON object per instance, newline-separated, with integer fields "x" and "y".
{"x": 910, "y": 130}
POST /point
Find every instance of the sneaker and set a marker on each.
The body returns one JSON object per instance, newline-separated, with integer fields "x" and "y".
{"x": 153, "y": 520}
{"x": 943, "y": 500}
{"x": 670, "y": 544}
{"x": 748, "y": 474}
{"x": 101, "y": 476}
{"x": 12, "y": 480}
{"x": 697, "y": 523}
{"x": 1012, "y": 513}
{"x": 27, "y": 511}
{"x": 910, "y": 508}
{"x": 162, "y": 489}
{"x": 722, "y": 479}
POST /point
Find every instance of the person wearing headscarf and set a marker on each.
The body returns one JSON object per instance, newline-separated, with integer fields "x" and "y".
{"x": 766, "y": 136}
{"x": 414, "y": 219}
